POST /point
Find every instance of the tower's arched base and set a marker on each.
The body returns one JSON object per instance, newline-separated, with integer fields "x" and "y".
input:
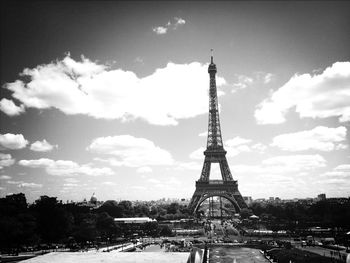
{"x": 225, "y": 189}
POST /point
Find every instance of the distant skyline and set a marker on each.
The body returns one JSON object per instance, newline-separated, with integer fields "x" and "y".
{"x": 112, "y": 98}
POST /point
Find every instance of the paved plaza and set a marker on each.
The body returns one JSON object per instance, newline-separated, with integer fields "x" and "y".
{"x": 110, "y": 257}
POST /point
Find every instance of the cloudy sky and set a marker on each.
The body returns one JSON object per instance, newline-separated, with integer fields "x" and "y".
{"x": 111, "y": 97}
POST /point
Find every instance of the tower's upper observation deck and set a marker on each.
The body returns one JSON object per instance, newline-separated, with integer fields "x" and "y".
{"x": 212, "y": 66}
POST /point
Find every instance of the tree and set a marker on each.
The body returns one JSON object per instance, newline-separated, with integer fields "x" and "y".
{"x": 141, "y": 210}
{"x": 28, "y": 222}
{"x": 150, "y": 228}
{"x": 184, "y": 210}
{"x": 54, "y": 222}
{"x": 165, "y": 231}
{"x": 154, "y": 211}
{"x": 17, "y": 225}
{"x": 86, "y": 229}
{"x": 13, "y": 204}
{"x": 111, "y": 207}
{"x": 11, "y": 231}
{"x": 105, "y": 225}
{"x": 245, "y": 213}
{"x": 173, "y": 208}
{"x": 258, "y": 209}
{"x": 126, "y": 208}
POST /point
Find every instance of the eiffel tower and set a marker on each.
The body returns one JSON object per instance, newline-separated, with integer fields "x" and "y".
{"x": 215, "y": 153}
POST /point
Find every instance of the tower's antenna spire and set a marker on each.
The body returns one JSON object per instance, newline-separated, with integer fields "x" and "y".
{"x": 211, "y": 58}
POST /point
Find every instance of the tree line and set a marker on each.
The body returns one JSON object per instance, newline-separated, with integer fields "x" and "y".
{"x": 294, "y": 215}
{"x": 48, "y": 221}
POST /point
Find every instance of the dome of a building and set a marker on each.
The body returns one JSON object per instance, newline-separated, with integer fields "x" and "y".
{"x": 93, "y": 199}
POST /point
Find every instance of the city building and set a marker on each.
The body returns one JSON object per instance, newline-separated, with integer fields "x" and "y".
{"x": 93, "y": 203}
{"x": 321, "y": 197}
{"x": 133, "y": 220}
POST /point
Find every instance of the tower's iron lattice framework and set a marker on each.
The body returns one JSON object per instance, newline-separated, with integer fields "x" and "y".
{"x": 215, "y": 153}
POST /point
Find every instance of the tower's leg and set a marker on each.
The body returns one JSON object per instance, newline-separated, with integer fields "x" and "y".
{"x": 225, "y": 170}
{"x": 220, "y": 210}
{"x": 205, "y": 171}
{"x": 210, "y": 208}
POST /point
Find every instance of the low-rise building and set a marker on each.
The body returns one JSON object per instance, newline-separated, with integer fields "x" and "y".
{"x": 134, "y": 220}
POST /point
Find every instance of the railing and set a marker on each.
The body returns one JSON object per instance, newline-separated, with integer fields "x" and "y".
{"x": 216, "y": 182}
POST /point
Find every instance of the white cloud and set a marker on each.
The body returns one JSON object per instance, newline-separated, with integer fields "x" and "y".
{"x": 336, "y": 180}
{"x": 139, "y": 60}
{"x": 6, "y": 160}
{"x": 153, "y": 181}
{"x": 68, "y": 185}
{"x": 71, "y": 180}
{"x": 42, "y": 146}
{"x": 189, "y": 165}
{"x": 84, "y": 87}
{"x": 5, "y": 177}
{"x": 340, "y": 172}
{"x": 282, "y": 165}
{"x": 236, "y": 141}
{"x": 65, "y": 168}
{"x": 130, "y": 151}
{"x": 269, "y": 113}
{"x": 173, "y": 181}
{"x": 108, "y": 183}
{"x": 24, "y": 184}
{"x": 236, "y": 146}
{"x": 263, "y": 77}
{"x": 138, "y": 187}
{"x": 242, "y": 169}
{"x": 43, "y": 162}
{"x": 203, "y": 134}
{"x": 289, "y": 163}
{"x": 320, "y": 138}
{"x": 30, "y": 185}
{"x": 161, "y": 30}
{"x": 343, "y": 167}
{"x": 259, "y": 147}
{"x": 285, "y": 175}
{"x": 12, "y": 141}
{"x": 14, "y": 182}
{"x": 198, "y": 154}
{"x": 179, "y": 21}
{"x": 10, "y": 108}
{"x": 167, "y": 185}
{"x": 268, "y": 78}
{"x": 314, "y": 96}
{"x": 244, "y": 81}
{"x": 144, "y": 169}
